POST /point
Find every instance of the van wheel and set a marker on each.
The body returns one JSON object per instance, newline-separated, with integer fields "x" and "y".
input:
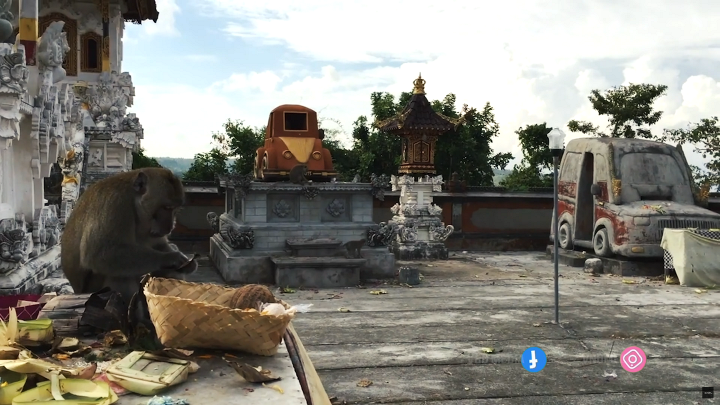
{"x": 262, "y": 168}
{"x": 601, "y": 243}
{"x": 564, "y": 236}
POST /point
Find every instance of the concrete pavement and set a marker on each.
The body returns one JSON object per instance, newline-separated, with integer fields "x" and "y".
{"x": 425, "y": 345}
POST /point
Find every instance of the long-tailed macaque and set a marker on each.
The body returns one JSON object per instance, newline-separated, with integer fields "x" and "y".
{"x": 118, "y": 232}
{"x": 297, "y": 174}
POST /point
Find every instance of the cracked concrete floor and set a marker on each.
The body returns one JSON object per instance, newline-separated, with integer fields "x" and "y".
{"x": 424, "y": 345}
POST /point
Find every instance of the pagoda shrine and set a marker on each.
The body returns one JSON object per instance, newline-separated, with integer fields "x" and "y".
{"x": 419, "y": 126}
{"x": 416, "y": 227}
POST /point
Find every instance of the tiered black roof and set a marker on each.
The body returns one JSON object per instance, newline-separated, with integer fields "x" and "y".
{"x": 418, "y": 115}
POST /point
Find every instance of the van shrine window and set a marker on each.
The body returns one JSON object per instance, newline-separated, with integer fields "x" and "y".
{"x": 601, "y": 168}
{"x": 91, "y": 51}
{"x": 296, "y": 121}
{"x": 70, "y": 62}
{"x": 571, "y": 167}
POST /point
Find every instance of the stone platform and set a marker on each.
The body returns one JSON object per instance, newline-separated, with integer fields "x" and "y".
{"x": 260, "y": 217}
{"x": 611, "y": 265}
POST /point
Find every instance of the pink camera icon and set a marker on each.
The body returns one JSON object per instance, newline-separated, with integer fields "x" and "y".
{"x": 633, "y": 359}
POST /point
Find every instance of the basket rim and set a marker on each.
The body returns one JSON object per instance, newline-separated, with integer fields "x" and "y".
{"x": 210, "y": 305}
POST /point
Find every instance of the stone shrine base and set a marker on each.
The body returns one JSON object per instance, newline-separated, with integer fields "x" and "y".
{"x": 254, "y": 266}
{"x": 420, "y": 251}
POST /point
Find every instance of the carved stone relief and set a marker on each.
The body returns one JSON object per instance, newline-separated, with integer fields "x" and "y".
{"x": 66, "y": 7}
{"x": 381, "y": 235}
{"x": 90, "y": 22}
{"x": 96, "y": 158}
{"x": 282, "y": 209}
{"x": 16, "y": 244}
{"x": 310, "y": 192}
{"x": 336, "y": 208}
{"x": 233, "y": 235}
{"x": 378, "y": 185}
{"x": 13, "y": 86}
{"x": 433, "y": 209}
{"x": 439, "y": 233}
{"x": 408, "y": 232}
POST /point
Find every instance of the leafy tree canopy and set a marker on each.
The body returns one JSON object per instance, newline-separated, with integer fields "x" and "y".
{"x": 629, "y": 109}
{"x": 705, "y": 137}
{"x": 536, "y": 158}
{"x": 140, "y": 160}
{"x": 239, "y": 141}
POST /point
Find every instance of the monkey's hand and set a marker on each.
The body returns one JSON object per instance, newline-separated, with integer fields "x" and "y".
{"x": 174, "y": 260}
{"x": 189, "y": 268}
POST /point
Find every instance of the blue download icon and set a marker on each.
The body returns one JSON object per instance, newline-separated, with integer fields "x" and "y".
{"x": 533, "y": 359}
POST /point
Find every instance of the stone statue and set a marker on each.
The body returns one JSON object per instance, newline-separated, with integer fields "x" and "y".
{"x": 52, "y": 47}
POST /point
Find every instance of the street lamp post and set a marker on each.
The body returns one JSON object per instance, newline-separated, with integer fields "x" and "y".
{"x": 557, "y": 145}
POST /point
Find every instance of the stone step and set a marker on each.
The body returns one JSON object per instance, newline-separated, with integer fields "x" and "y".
{"x": 317, "y": 272}
{"x": 611, "y": 265}
{"x": 313, "y": 247}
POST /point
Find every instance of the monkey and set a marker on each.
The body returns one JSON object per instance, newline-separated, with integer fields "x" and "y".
{"x": 353, "y": 248}
{"x": 118, "y": 232}
{"x": 297, "y": 174}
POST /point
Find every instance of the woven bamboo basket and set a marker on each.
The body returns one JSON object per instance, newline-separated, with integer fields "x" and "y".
{"x": 194, "y": 315}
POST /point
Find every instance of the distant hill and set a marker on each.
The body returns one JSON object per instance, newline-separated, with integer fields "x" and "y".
{"x": 499, "y": 175}
{"x": 177, "y": 165}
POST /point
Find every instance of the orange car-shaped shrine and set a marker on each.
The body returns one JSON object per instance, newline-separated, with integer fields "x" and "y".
{"x": 292, "y": 138}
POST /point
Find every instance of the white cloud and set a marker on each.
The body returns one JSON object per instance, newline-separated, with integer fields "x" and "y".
{"x": 166, "y": 22}
{"x": 534, "y": 65}
{"x": 180, "y": 129}
{"x": 418, "y": 30}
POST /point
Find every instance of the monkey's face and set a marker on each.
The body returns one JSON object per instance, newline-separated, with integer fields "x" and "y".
{"x": 159, "y": 196}
{"x": 163, "y": 221}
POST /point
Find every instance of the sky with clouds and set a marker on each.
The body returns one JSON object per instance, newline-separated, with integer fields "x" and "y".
{"x": 535, "y": 61}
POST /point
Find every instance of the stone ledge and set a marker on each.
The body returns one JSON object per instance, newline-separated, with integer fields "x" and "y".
{"x": 317, "y": 272}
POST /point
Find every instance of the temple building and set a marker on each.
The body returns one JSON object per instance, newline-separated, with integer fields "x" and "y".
{"x": 63, "y": 109}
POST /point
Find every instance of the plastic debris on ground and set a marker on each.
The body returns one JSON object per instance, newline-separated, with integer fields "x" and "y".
{"x": 167, "y": 401}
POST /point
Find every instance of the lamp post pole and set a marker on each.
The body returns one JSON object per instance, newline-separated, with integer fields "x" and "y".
{"x": 556, "y": 138}
{"x": 556, "y": 238}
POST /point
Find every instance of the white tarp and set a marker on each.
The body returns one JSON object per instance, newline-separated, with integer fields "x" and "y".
{"x": 696, "y": 258}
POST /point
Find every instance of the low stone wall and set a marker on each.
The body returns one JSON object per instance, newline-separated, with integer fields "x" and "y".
{"x": 485, "y": 218}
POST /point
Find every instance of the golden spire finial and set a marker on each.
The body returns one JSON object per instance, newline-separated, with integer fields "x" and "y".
{"x": 419, "y": 84}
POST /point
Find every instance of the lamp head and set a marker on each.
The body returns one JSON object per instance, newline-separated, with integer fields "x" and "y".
{"x": 556, "y": 139}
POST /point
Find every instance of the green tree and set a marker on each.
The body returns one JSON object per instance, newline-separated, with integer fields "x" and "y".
{"x": 537, "y": 158}
{"x": 234, "y": 152}
{"x": 466, "y": 150}
{"x": 207, "y": 165}
{"x": 378, "y": 152}
{"x": 629, "y": 109}
{"x": 140, "y": 160}
{"x": 705, "y": 138}
{"x": 240, "y": 142}
{"x": 345, "y": 160}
